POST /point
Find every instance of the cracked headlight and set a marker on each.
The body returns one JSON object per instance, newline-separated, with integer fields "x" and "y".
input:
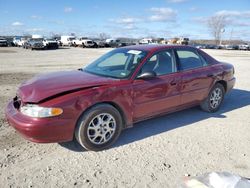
{"x": 36, "y": 111}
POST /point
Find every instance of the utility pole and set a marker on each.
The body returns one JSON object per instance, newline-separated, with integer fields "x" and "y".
{"x": 222, "y": 31}
{"x": 231, "y": 34}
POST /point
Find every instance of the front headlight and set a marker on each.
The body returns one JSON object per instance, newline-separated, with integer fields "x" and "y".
{"x": 36, "y": 111}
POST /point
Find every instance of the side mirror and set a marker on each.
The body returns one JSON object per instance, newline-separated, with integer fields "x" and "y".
{"x": 147, "y": 75}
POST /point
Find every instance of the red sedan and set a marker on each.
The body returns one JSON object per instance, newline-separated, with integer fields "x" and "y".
{"x": 127, "y": 85}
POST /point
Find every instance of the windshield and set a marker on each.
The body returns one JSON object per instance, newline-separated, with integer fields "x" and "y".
{"x": 34, "y": 40}
{"x": 119, "y": 63}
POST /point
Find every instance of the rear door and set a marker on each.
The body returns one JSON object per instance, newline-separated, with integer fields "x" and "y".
{"x": 197, "y": 76}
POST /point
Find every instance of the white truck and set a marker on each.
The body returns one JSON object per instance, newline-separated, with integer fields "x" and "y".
{"x": 183, "y": 41}
{"x": 67, "y": 40}
{"x": 50, "y": 44}
{"x": 89, "y": 44}
{"x": 37, "y": 37}
{"x": 16, "y": 40}
{"x": 84, "y": 42}
{"x": 79, "y": 41}
{"x": 21, "y": 42}
{"x": 147, "y": 41}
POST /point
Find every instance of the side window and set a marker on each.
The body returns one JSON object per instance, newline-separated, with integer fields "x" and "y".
{"x": 161, "y": 63}
{"x": 188, "y": 60}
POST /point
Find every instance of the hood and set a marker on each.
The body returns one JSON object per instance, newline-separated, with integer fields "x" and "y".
{"x": 47, "y": 85}
{"x": 51, "y": 41}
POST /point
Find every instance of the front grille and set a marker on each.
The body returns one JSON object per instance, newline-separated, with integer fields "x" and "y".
{"x": 17, "y": 102}
{"x": 38, "y": 45}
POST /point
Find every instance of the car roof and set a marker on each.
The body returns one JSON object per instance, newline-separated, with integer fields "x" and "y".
{"x": 155, "y": 47}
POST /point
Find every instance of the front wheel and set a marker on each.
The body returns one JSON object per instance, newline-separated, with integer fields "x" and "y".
{"x": 99, "y": 127}
{"x": 215, "y": 97}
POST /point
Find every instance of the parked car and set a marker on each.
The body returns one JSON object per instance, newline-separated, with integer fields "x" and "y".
{"x": 20, "y": 43}
{"x": 10, "y": 42}
{"x": 114, "y": 43}
{"x": 87, "y": 43}
{"x": 231, "y": 47}
{"x": 100, "y": 43}
{"x": 34, "y": 44}
{"x": 16, "y": 40}
{"x": 78, "y": 41}
{"x": 244, "y": 47}
{"x": 50, "y": 44}
{"x": 183, "y": 41}
{"x": 127, "y": 85}
{"x": 146, "y": 41}
{"x": 3, "y": 42}
{"x": 199, "y": 46}
{"x": 59, "y": 42}
{"x": 67, "y": 40}
{"x": 122, "y": 44}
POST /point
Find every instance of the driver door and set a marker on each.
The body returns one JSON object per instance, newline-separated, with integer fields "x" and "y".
{"x": 159, "y": 94}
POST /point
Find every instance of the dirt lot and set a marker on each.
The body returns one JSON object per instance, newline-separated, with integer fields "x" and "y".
{"x": 155, "y": 153}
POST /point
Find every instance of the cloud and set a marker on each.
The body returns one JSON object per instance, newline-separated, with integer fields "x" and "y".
{"x": 235, "y": 18}
{"x": 234, "y": 13}
{"x": 163, "y": 14}
{"x": 68, "y": 9}
{"x": 200, "y": 19}
{"x": 57, "y": 22}
{"x": 128, "y": 23}
{"x": 17, "y": 24}
{"x": 176, "y": 1}
{"x": 232, "y": 18}
{"x": 35, "y": 29}
{"x": 193, "y": 9}
{"x": 36, "y": 17}
{"x": 126, "y": 20}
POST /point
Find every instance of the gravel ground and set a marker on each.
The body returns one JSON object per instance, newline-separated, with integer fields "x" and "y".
{"x": 154, "y": 153}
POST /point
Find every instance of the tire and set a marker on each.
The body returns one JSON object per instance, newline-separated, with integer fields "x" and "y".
{"x": 90, "y": 133}
{"x": 214, "y": 99}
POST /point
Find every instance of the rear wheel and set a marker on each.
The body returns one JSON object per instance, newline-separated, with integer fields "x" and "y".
{"x": 99, "y": 127}
{"x": 215, "y": 97}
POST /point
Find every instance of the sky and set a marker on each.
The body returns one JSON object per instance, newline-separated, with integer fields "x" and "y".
{"x": 124, "y": 18}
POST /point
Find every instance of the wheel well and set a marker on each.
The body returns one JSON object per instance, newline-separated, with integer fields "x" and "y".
{"x": 224, "y": 83}
{"x": 124, "y": 121}
{"x": 116, "y": 106}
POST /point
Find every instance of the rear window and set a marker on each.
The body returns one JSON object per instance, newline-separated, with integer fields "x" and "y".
{"x": 188, "y": 60}
{"x": 209, "y": 60}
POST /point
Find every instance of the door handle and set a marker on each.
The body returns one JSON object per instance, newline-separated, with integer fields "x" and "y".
{"x": 210, "y": 75}
{"x": 173, "y": 83}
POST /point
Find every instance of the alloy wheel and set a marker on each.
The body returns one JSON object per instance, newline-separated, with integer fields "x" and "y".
{"x": 101, "y": 128}
{"x": 215, "y": 98}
